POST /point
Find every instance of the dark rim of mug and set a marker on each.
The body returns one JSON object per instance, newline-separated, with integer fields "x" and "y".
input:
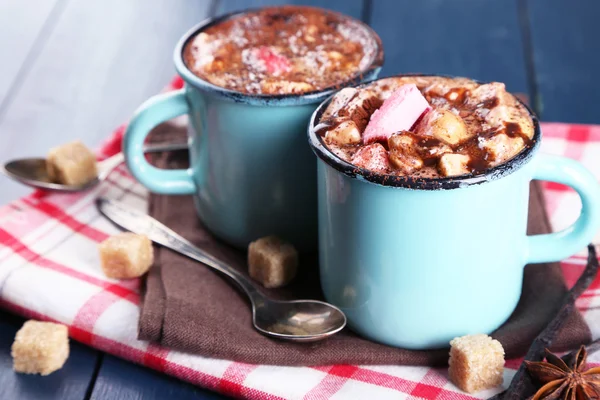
{"x": 281, "y": 99}
{"x": 320, "y": 149}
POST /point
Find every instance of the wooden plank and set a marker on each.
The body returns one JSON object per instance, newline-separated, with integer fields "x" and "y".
{"x": 24, "y": 27}
{"x": 20, "y": 42}
{"x": 118, "y": 379}
{"x": 69, "y": 383}
{"x": 101, "y": 60}
{"x": 353, "y": 8}
{"x": 474, "y": 38}
{"x": 566, "y": 56}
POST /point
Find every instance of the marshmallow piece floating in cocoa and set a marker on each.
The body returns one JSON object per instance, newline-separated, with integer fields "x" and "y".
{"x": 275, "y": 63}
{"x": 338, "y": 102}
{"x": 397, "y": 113}
{"x": 443, "y": 125}
{"x": 501, "y": 146}
{"x": 348, "y": 115}
{"x": 454, "y": 164}
{"x": 403, "y": 152}
{"x": 345, "y": 133}
{"x": 283, "y": 86}
{"x": 372, "y": 157}
{"x": 361, "y": 107}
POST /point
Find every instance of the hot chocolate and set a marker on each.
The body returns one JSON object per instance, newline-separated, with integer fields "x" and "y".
{"x": 426, "y": 126}
{"x": 282, "y": 50}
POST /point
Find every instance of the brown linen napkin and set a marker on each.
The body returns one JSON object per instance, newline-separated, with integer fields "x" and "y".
{"x": 190, "y": 308}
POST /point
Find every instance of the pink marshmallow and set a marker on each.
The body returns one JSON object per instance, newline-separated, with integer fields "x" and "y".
{"x": 275, "y": 63}
{"x": 398, "y": 113}
{"x": 373, "y": 157}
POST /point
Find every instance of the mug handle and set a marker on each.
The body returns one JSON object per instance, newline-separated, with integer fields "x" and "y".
{"x": 560, "y": 245}
{"x": 155, "y": 110}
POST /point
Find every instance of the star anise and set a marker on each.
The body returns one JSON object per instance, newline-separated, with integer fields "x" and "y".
{"x": 565, "y": 378}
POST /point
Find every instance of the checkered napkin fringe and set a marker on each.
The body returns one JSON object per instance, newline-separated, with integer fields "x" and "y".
{"x": 49, "y": 270}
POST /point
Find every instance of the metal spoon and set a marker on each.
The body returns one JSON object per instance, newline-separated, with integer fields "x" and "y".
{"x": 297, "y": 320}
{"x": 32, "y": 171}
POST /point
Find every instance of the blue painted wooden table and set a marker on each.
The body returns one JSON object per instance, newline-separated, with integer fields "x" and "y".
{"x": 78, "y": 68}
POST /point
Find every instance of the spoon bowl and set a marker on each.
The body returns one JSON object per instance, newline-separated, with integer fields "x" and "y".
{"x": 297, "y": 320}
{"x": 32, "y": 171}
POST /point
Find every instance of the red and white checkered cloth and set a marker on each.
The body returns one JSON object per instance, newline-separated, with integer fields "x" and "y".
{"x": 49, "y": 270}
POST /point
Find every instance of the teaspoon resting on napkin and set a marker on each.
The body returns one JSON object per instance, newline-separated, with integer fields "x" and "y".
{"x": 32, "y": 171}
{"x": 296, "y": 320}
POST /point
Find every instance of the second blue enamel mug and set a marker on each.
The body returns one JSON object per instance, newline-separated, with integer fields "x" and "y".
{"x": 251, "y": 173}
{"x": 415, "y": 262}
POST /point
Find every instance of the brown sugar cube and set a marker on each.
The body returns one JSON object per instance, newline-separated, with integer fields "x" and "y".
{"x": 40, "y": 348}
{"x": 126, "y": 255}
{"x": 476, "y": 362}
{"x": 272, "y": 262}
{"x": 71, "y": 164}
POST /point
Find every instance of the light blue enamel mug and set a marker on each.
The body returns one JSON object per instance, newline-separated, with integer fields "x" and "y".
{"x": 415, "y": 262}
{"x": 251, "y": 172}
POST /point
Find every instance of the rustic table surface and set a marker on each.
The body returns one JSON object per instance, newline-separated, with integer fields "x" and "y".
{"x": 78, "y": 68}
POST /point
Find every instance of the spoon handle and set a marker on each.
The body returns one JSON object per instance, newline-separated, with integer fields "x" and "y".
{"x": 141, "y": 223}
{"x": 106, "y": 166}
